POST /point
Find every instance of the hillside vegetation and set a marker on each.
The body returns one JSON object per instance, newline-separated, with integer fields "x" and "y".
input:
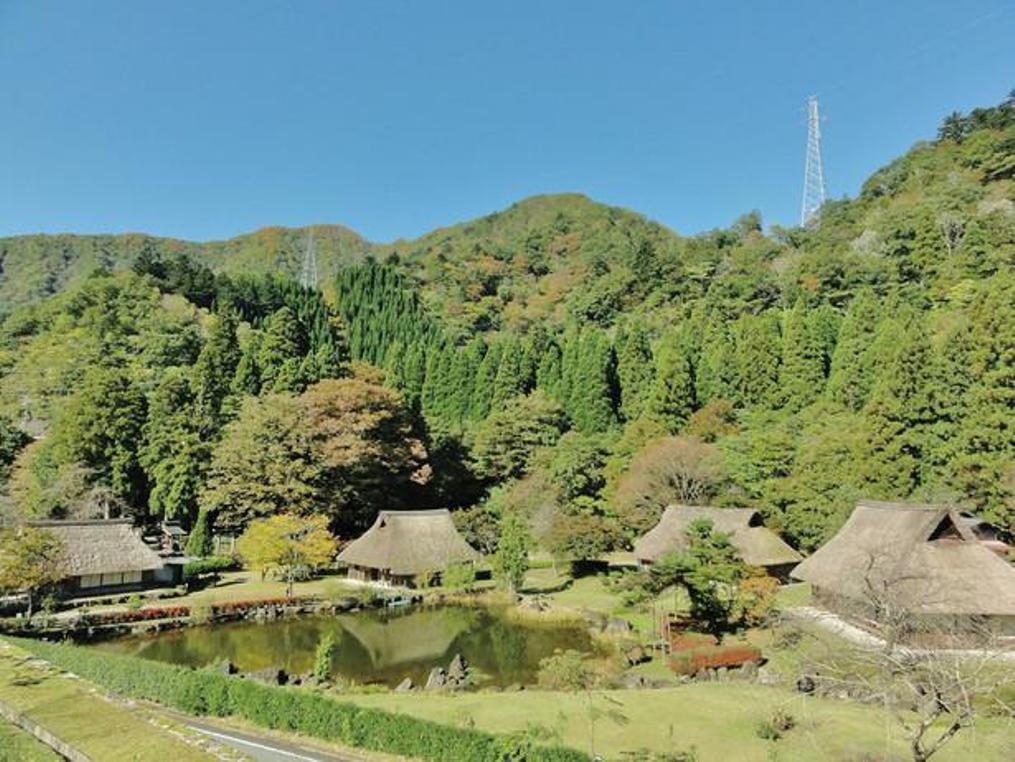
{"x": 572, "y": 362}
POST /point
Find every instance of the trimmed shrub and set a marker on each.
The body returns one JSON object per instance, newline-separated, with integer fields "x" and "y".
{"x": 209, "y": 565}
{"x": 286, "y": 709}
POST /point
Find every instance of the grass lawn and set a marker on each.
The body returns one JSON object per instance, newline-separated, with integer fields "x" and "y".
{"x": 18, "y": 746}
{"x": 77, "y": 713}
{"x": 717, "y": 719}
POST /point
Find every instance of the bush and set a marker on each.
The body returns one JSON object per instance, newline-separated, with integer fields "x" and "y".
{"x": 566, "y": 671}
{"x": 134, "y": 603}
{"x": 773, "y": 728}
{"x": 459, "y": 577}
{"x": 324, "y": 657}
{"x": 287, "y": 709}
{"x": 201, "y": 613}
{"x": 209, "y": 565}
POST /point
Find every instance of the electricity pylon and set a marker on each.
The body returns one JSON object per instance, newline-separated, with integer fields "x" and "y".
{"x": 308, "y": 275}
{"x": 814, "y": 173}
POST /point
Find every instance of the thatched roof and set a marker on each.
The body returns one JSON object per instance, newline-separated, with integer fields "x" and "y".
{"x": 757, "y": 545}
{"x": 406, "y": 543}
{"x": 101, "y": 546}
{"x": 922, "y": 557}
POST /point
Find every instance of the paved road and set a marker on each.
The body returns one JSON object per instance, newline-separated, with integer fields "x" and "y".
{"x": 260, "y": 747}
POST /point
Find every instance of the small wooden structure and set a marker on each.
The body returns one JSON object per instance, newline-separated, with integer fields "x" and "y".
{"x": 401, "y": 545}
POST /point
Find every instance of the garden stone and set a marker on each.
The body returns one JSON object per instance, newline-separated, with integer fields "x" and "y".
{"x": 618, "y": 627}
{"x": 749, "y": 670}
{"x": 437, "y": 679}
{"x": 636, "y": 655}
{"x": 269, "y": 675}
{"x": 805, "y": 684}
{"x": 405, "y": 686}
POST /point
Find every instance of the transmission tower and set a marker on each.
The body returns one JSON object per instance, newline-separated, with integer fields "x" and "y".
{"x": 814, "y": 173}
{"x": 308, "y": 275}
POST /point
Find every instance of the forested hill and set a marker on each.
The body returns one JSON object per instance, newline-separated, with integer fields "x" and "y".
{"x": 33, "y": 267}
{"x": 565, "y": 360}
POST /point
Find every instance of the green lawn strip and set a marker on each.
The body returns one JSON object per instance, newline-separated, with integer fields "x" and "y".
{"x": 73, "y": 711}
{"x": 718, "y": 720}
{"x": 17, "y": 746}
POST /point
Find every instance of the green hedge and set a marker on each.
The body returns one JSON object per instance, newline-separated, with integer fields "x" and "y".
{"x": 209, "y": 565}
{"x": 288, "y": 709}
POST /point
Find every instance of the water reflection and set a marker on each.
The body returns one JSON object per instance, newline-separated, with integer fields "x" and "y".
{"x": 372, "y": 646}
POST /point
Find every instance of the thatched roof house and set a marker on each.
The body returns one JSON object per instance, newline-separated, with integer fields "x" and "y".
{"x": 103, "y": 556}
{"x": 928, "y": 559}
{"x": 403, "y": 544}
{"x": 757, "y": 545}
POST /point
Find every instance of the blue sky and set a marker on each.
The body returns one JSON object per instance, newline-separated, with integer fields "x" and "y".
{"x": 203, "y": 120}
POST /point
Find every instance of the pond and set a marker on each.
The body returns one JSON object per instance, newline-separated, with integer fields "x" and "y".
{"x": 373, "y": 646}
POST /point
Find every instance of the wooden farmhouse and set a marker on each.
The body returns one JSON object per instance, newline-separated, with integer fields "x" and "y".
{"x": 401, "y": 545}
{"x": 757, "y": 545}
{"x": 108, "y": 556}
{"x": 929, "y": 560}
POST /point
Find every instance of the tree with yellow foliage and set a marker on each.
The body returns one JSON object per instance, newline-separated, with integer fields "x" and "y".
{"x": 287, "y": 545}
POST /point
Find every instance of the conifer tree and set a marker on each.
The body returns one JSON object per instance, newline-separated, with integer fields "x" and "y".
{"x": 175, "y": 454}
{"x": 983, "y": 470}
{"x": 851, "y": 375}
{"x": 758, "y": 356}
{"x": 802, "y": 373}
{"x": 482, "y": 392}
{"x": 590, "y": 402}
{"x": 634, "y": 370}
{"x": 715, "y": 371}
{"x": 214, "y": 372}
{"x": 464, "y": 368}
{"x": 548, "y": 375}
{"x": 898, "y": 410}
{"x": 280, "y": 344}
{"x": 248, "y": 377}
{"x": 199, "y": 541}
{"x": 509, "y": 381}
{"x": 672, "y": 391}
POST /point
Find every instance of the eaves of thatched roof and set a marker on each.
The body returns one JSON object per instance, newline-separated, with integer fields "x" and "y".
{"x": 756, "y": 544}
{"x": 919, "y": 556}
{"x": 101, "y": 546}
{"x": 407, "y": 543}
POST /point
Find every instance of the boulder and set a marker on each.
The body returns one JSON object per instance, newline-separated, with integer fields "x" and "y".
{"x": 405, "y": 686}
{"x": 636, "y": 655}
{"x": 618, "y": 627}
{"x": 631, "y": 680}
{"x": 269, "y": 675}
{"x": 437, "y": 679}
{"x": 749, "y": 670}
{"x": 458, "y": 669}
{"x": 805, "y": 684}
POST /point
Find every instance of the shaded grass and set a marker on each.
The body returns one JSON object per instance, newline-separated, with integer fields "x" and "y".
{"x": 79, "y": 715}
{"x": 719, "y": 720}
